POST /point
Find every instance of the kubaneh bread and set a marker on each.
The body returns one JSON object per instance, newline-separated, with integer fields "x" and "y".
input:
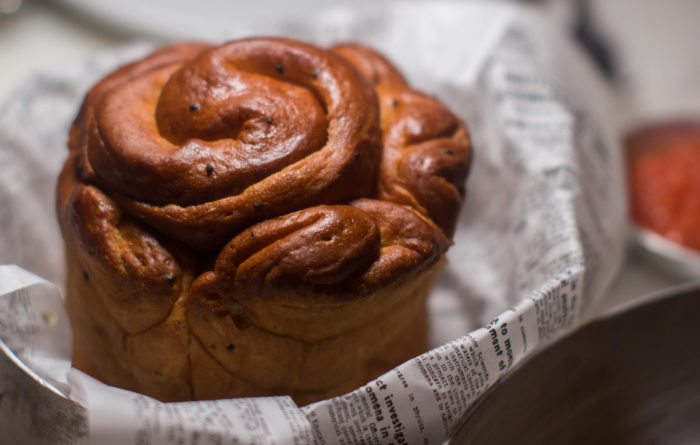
{"x": 259, "y": 218}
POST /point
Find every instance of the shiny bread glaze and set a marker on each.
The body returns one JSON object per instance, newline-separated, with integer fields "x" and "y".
{"x": 263, "y": 217}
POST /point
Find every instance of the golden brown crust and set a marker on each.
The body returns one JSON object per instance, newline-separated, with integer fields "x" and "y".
{"x": 202, "y": 149}
{"x": 256, "y": 218}
{"x": 426, "y": 149}
{"x": 371, "y": 64}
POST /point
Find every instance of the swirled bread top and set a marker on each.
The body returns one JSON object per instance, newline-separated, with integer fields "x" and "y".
{"x": 201, "y": 142}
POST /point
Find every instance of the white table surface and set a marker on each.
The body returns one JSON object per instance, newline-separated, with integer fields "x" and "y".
{"x": 42, "y": 36}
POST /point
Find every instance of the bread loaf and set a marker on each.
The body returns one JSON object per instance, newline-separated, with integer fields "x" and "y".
{"x": 259, "y": 218}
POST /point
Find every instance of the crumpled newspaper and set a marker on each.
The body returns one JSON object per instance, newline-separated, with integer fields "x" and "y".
{"x": 539, "y": 240}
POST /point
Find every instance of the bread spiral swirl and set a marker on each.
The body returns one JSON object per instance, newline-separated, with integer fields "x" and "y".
{"x": 262, "y": 217}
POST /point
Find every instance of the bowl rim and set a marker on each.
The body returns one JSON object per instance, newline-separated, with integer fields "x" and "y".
{"x": 672, "y": 256}
{"x": 676, "y": 291}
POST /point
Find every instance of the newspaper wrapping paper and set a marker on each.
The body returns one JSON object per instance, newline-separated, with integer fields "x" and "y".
{"x": 540, "y": 238}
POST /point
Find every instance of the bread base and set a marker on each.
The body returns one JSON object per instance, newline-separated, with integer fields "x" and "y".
{"x": 168, "y": 363}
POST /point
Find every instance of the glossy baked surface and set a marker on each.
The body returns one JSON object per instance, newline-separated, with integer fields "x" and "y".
{"x": 262, "y": 217}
